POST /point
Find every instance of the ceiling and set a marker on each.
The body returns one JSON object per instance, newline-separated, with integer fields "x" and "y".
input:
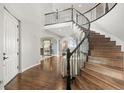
{"x": 34, "y": 12}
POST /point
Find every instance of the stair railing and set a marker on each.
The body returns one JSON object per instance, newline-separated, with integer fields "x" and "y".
{"x": 83, "y": 22}
{"x": 65, "y": 15}
{"x": 73, "y": 57}
{"x": 99, "y": 11}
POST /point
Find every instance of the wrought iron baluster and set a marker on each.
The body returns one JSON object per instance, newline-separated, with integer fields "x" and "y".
{"x": 68, "y": 87}
{"x": 106, "y": 8}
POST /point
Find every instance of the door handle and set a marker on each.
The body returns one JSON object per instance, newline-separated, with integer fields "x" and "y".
{"x": 4, "y": 58}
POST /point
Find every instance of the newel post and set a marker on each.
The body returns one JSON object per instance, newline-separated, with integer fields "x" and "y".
{"x": 68, "y": 82}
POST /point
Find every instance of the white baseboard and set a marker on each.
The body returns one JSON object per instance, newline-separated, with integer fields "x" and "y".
{"x": 30, "y": 67}
{"x": 36, "y": 63}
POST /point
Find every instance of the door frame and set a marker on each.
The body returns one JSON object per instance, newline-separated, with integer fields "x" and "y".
{"x": 50, "y": 46}
{"x": 19, "y": 40}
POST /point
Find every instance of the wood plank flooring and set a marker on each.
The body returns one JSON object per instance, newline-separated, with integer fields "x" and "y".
{"x": 45, "y": 76}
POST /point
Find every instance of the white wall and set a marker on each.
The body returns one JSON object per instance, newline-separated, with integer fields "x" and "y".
{"x": 1, "y": 45}
{"x": 112, "y": 25}
{"x": 30, "y": 44}
{"x": 32, "y": 26}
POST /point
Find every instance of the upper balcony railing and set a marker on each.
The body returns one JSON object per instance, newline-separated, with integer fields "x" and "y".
{"x": 98, "y": 11}
{"x": 71, "y": 14}
{"x": 67, "y": 15}
{"x": 58, "y": 17}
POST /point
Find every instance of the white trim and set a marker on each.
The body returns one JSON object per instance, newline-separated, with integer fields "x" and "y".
{"x": 7, "y": 13}
{"x": 39, "y": 62}
{"x": 30, "y": 67}
{"x": 56, "y": 55}
{"x": 58, "y": 25}
{"x": 45, "y": 57}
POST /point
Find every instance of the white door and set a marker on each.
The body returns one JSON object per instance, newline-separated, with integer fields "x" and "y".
{"x": 10, "y": 47}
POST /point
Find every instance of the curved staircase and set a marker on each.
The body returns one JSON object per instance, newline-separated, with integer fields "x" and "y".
{"x": 104, "y": 66}
{"x": 104, "y": 69}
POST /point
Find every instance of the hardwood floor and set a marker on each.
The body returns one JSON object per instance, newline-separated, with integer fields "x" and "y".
{"x": 45, "y": 76}
{"x": 104, "y": 70}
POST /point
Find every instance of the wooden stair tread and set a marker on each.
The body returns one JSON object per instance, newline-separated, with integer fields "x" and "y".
{"x": 103, "y": 44}
{"x": 109, "y": 42}
{"x": 97, "y": 36}
{"x": 96, "y": 81}
{"x": 85, "y": 84}
{"x": 94, "y": 33}
{"x": 81, "y": 84}
{"x": 115, "y": 64}
{"x": 105, "y": 71}
{"x": 113, "y": 67}
{"x": 107, "y": 55}
{"x": 118, "y": 46}
{"x": 98, "y": 39}
{"x": 101, "y": 58}
{"x": 107, "y": 48}
{"x": 108, "y": 51}
{"x": 108, "y": 80}
{"x": 104, "y": 61}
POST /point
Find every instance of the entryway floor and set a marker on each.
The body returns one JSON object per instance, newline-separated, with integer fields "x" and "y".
{"x": 45, "y": 76}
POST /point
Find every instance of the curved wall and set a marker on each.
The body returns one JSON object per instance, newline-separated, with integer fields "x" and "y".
{"x": 112, "y": 25}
